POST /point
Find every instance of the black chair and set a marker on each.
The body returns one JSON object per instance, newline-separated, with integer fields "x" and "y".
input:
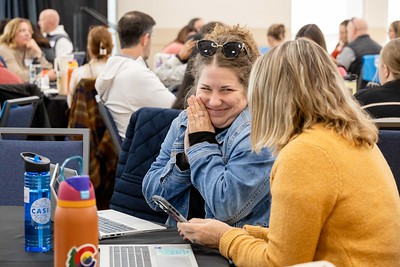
{"x": 12, "y": 165}
{"x": 389, "y": 144}
{"x": 145, "y": 133}
{"x": 110, "y": 124}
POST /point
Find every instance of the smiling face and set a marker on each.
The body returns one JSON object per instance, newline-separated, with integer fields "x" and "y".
{"x": 222, "y": 94}
{"x": 23, "y": 35}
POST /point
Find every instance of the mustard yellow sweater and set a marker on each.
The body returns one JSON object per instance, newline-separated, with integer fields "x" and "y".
{"x": 330, "y": 201}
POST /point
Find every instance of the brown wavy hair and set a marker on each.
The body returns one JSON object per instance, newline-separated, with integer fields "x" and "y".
{"x": 11, "y": 30}
{"x": 241, "y": 65}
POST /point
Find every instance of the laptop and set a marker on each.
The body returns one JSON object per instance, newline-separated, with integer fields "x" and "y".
{"x": 168, "y": 255}
{"x": 112, "y": 223}
{"x": 55, "y": 183}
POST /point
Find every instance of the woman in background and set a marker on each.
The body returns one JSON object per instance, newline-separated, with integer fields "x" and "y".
{"x": 342, "y": 38}
{"x": 176, "y": 45}
{"x": 334, "y": 197}
{"x": 18, "y": 49}
{"x": 394, "y": 30}
{"x": 196, "y": 23}
{"x": 99, "y": 49}
{"x": 312, "y": 32}
{"x": 389, "y": 90}
{"x": 276, "y": 35}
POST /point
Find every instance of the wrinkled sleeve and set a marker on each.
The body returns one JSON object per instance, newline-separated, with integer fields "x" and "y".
{"x": 171, "y": 72}
{"x": 13, "y": 65}
{"x": 164, "y": 177}
{"x": 295, "y": 225}
{"x": 240, "y": 173}
{"x": 346, "y": 57}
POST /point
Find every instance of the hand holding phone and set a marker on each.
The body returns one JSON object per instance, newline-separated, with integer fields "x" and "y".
{"x": 168, "y": 208}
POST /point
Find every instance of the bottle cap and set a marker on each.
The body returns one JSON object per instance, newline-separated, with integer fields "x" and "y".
{"x": 76, "y": 188}
{"x": 35, "y": 162}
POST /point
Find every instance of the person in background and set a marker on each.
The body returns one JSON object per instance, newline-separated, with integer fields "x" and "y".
{"x": 18, "y": 49}
{"x": 49, "y": 23}
{"x": 276, "y": 35}
{"x": 389, "y": 91}
{"x": 176, "y": 45}
{"x": 43, "y": 43}
{"x": 394, "y": 30}
{"x": 196, "y": 23}
{"x": 342, "y": 38}
{"x": 99, "y": 48}
{"x": 312, "y": 32}
{"x": 334, "y": 197}
{"x": 7, "y": 77}
{"x": 206, "y": 167}
{"x": 188, "y": 79}
{"x": 126, "y": 83}
{"x": 172, "y": 71}
{"x": 360, "y": 44}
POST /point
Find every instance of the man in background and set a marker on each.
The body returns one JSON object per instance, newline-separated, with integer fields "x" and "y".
{"x": 126, "y": 83}
{"x": 360, "y": 44}
{"x": 49, "y": 23}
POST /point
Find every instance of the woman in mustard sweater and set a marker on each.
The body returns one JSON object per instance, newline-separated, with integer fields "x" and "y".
{"x": 334, "y": 197}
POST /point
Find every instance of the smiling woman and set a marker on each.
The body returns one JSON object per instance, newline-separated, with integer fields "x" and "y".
{"x": 206, "y": 168}
{"x": 19, "y": 49}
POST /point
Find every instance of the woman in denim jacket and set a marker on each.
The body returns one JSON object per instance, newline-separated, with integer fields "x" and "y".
{"x": 206, "y": 167}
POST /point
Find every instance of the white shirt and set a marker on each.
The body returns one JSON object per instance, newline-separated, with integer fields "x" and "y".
{"x": 126, "y": 85}
{"x": 63, "y": 46}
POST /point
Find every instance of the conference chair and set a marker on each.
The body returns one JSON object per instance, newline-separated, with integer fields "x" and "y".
{"x": 383, "y": 109}
{"x": 18, "y": 112}
{"x": 110, "y": 124}
{"x": 389, "y": 144}
{"x": 12, "y": 91}
{"x": 12, "y": 165}
{"x": 145, "y": 133}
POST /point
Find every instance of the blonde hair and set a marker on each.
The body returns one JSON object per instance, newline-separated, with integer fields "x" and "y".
{"x": 293, "y": 87}
{"x": 390, "y": 56}
{"x": 11, "y": 30}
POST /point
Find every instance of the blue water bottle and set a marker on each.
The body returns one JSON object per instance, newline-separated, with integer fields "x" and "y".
{"x": 37, "y": 202}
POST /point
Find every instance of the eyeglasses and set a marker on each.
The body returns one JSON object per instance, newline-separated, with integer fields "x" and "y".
{"x": 207, "y": 48}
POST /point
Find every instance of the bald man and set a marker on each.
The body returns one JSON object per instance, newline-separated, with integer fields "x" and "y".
{"x": 49, "y": 23}
{"x": 360, "y": 44}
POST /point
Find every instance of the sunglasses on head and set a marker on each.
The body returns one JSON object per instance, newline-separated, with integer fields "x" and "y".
{"x": 207, "y": 48}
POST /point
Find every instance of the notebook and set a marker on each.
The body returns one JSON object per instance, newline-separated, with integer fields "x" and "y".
{"x": 112, "y": 223}
{"x": 168, "y": 255}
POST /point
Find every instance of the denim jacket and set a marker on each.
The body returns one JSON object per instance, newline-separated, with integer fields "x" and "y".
{"x": 233, "y": 181}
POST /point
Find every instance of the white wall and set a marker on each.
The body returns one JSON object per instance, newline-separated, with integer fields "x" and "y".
{"x": 177, "y": 13}
{"x": 257, "y": 15}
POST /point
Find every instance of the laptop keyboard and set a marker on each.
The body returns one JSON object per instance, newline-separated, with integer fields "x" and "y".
{"x": 108, "y": 226}
{"x": 137, "y": 256}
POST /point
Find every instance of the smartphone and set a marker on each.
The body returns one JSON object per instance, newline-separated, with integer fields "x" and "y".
{"x": 168, "y": 208}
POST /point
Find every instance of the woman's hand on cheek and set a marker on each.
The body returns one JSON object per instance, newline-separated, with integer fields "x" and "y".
{"x": 198, "y": 117}
{"x": 205, "y": 232}
{"x": 34, "y": 47}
